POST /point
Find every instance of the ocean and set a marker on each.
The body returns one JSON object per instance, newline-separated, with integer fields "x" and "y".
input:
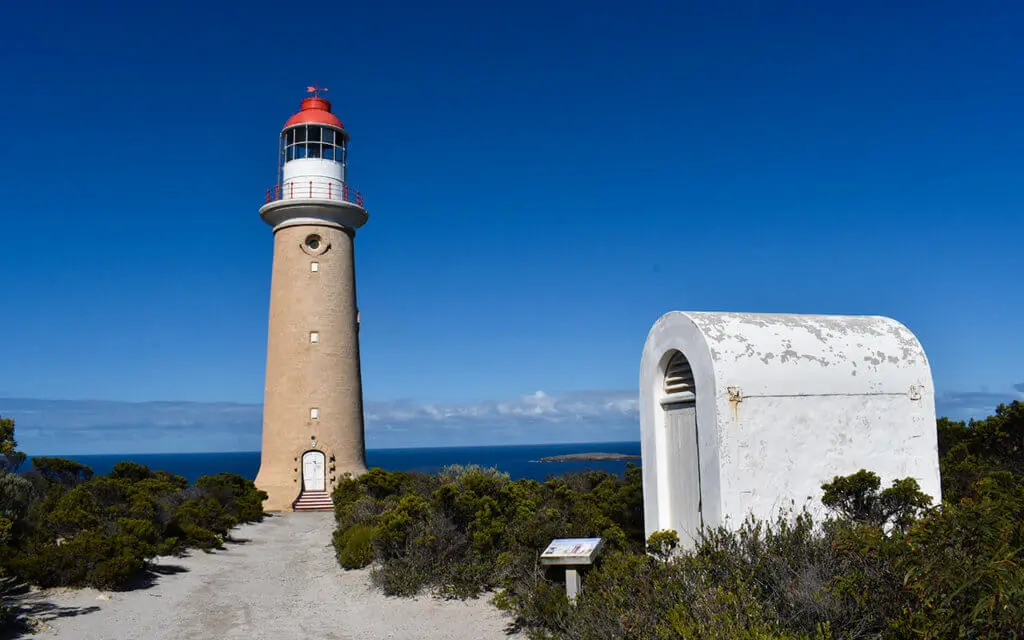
{"x": 519, "y": 461}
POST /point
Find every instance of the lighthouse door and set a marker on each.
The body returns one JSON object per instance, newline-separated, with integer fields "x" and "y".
{"x": 313, "y": 471}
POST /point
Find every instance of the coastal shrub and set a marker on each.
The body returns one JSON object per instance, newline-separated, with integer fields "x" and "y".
{"x": 470, "y": 529}
{"x": 640, "y": 597}
{"x": 60, "y": 525}
{"x": 10, "y": 457}
{"x": 856, "y": 497}
{"x": 130, "y": 471}
{"x": 885, "y": 564}
{"x": 663, "y": 544}
{"x": 61, "y": 470}
{"x": 16, "y": 495}
{"x": 963, "y": 567}
{"x": 90, "y": 558}
{"x": 974, "y": 450}
{"x": 201, "y": 522}
{"x": 354, "y": 546}
{"x": 237, "y": 495}
{"x": 955, "y": 572}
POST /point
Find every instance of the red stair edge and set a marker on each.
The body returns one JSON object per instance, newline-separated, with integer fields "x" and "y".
{"x": 313, "y": 501}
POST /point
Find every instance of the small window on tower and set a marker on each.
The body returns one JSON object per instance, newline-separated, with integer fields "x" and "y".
{"x": 329, "y": 135}
{"x": 314, "y": 134}
{"x": 314, "y": 337}
{"x": 314, "y": 266}
{"x": 314, "y": 413}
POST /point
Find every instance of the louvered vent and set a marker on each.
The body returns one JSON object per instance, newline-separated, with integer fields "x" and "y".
{"x": 678, "y": 376}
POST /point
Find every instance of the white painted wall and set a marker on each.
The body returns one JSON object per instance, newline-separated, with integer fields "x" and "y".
{"x": 784, "y": 403}
{"x": 319, "y": 172}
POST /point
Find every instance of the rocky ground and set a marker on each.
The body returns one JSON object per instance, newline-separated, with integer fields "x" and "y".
{"x": 280, "y": 581}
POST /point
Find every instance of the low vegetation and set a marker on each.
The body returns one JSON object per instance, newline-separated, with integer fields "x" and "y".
{"x": 60, "y": 525}
{"x": 468, "y": 529}
{"x": 887, "y": 563}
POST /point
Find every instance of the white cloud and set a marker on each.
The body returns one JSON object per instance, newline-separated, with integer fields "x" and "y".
{"x": 961, "y": 405}
{"x": 85, "y": 426}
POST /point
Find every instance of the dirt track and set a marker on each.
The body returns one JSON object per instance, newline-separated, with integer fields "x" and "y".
{"x": 281, "y": 583}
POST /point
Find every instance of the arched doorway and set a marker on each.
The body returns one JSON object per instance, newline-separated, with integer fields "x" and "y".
{"x": 679, "y": 402}
{"x": 314, "y": 471}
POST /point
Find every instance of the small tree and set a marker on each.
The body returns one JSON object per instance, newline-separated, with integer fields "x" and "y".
{"x": 10, "y": 457}
{"x": 61, "y": 470}
{"x": 858, "y": 498}
{"x": 662, "y": 544}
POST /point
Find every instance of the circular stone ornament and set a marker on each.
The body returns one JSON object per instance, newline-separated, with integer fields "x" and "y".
{"x": 315, "y": 245}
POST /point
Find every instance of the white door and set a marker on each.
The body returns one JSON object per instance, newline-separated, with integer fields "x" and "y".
{"x": 684, "y": 470}
{"x": 313, "y": 471}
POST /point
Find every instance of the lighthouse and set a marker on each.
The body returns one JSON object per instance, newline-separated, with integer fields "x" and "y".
{"x": 313, "y": 401}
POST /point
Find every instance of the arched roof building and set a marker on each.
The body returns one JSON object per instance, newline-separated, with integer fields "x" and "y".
{"x": 744, "y": 413}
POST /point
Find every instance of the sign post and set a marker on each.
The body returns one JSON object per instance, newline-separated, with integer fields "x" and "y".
{"x": 573, "y": 554}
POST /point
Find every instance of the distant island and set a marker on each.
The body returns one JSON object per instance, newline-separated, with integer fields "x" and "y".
{"x": 589, "y": 457}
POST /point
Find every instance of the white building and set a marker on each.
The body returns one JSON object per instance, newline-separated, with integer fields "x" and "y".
{"x": 744, "y": 413}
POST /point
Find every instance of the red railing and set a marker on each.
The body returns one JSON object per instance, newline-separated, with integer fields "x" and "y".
{"x": 310, "y": 190}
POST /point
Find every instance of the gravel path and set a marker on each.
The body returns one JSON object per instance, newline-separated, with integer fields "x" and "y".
{"x": 282, "y": 583}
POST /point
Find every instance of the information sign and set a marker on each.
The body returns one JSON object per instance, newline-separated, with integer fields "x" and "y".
{"x": 577, "y": 551}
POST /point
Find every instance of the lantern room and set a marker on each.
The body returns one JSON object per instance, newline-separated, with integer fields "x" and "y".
{"x": 313, "y": 156}
{"x": 302, "y": 141}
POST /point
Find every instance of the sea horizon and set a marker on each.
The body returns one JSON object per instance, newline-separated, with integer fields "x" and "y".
{"x": 450, "y": 446}
{"x": 518, "y": 460}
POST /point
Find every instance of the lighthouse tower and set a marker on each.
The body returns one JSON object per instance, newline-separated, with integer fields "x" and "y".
{"x": 313, "y": 403}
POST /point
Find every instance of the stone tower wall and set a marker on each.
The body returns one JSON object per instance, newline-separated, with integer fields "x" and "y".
{"x": 303, "y": 375}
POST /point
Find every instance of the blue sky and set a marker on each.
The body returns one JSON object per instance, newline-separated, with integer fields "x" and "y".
{"x": 544, "y": 180}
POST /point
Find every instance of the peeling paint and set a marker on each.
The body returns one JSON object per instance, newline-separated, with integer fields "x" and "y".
{"x": 820, "y": 395}
{"x": 822, "y": 361}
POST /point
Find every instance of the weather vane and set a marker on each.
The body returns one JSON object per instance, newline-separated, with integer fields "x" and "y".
{"x": 315, "y": 90}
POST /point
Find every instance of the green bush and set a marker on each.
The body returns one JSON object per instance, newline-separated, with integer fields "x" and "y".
{"x": 62, "y": 526}
{"x": 856, "y": 497}
{"x": 471, "y": 529}
{"x": 90, "y": 558}
{"x": 354, "y": 546}
{"x": 61, "y": 470}
{"x": 963, "y": 567}
{"x": 885, "y": 565}
{"x": 16, "y": 496}
{"x": 640, "y": 597}
{"x": 202, "y": 523}
{"x": 10, "y": 457}
{"x": 237, "y": 495}
{"x": 972, "y": 451}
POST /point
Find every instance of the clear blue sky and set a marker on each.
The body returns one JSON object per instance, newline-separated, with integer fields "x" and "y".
{"x": 544, "y": 180}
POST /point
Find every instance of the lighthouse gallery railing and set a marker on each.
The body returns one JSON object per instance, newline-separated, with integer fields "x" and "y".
{"x": 301, "y": 190}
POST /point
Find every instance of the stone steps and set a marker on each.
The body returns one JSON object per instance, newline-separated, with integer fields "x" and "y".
{"x": 313, "y": 501}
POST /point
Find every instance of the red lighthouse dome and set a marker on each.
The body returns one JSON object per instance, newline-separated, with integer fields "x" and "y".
{"x": 315, "y": 110}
